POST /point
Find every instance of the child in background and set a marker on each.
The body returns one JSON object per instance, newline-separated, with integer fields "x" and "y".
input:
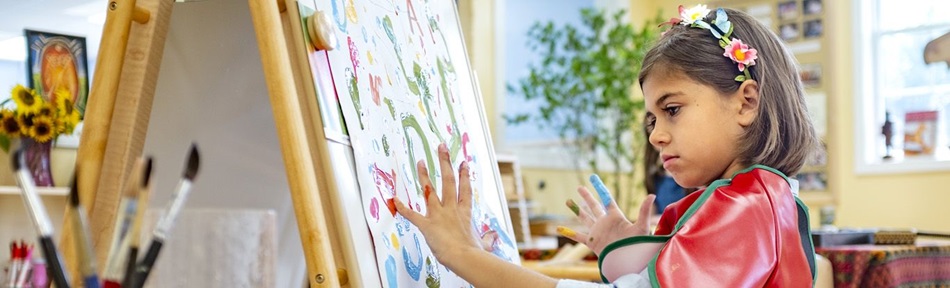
{"x": 727, "y": 113}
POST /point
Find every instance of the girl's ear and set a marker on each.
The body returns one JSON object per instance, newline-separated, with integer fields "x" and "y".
{"x": 748, "y": 97}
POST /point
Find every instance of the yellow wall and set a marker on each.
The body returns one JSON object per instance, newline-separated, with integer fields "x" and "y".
{"x": 895, "y": 200}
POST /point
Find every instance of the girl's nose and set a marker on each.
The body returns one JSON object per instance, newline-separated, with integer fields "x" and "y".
{"x": 659, "y": 138}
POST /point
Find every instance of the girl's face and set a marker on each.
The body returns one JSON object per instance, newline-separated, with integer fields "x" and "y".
{"x": 695, "y": 128}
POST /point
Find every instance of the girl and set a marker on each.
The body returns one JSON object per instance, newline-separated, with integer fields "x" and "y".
{"x": 727, "y": 113}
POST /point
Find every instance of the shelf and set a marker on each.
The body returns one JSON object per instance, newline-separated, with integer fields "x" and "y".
{"x": 43, "y": 191}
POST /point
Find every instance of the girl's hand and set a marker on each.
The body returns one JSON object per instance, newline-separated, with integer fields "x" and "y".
{"x": 606, "y": 226}
{"x": 448, "y": 223}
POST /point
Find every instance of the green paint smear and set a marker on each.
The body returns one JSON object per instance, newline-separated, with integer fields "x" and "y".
{"x": 411, "y": 122}
{"x": 388, "y": 26}
{"x": 385, "y": 145}
{"x": 456, "y": 142}
{"x": 355, "y": 96}
{"x": 392, "y": 108}
{"x": 432, "y": 279}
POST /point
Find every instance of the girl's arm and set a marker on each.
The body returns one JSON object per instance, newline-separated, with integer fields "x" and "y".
{"x": 448, "y": 231}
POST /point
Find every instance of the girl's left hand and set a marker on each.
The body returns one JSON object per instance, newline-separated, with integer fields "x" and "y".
{"x": 607, "y": 226}
{"x": 447, "y": 225}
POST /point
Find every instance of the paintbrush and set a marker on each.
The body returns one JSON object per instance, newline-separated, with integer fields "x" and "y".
{"x": 14, "y": 263}
{"x": 135, "y": 234}
{"x": 40, "y": 220}
{"x": 26, "y": 254}
{"x": 143, "y": 268}
{"x": 118, "y": 251}
{"x": 83, "y": 241}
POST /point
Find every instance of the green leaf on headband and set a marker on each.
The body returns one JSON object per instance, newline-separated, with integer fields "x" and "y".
{"x": 729, "y": 33}
{"x": 723, "y": 43}
{"x": 740, "y": 78}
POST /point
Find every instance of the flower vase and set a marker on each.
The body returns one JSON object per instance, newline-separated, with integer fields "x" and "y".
{"x": 37, "y": 159}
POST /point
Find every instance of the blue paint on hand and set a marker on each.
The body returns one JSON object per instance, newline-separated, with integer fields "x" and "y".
{"x": 601, "y": 190}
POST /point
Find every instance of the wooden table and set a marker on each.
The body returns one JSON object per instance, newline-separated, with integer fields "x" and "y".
{"x": 583, "y": 270}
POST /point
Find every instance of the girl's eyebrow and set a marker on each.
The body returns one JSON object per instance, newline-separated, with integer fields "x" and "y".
{"x": 666, "y": 96}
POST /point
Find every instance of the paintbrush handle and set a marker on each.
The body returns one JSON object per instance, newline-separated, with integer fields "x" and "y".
{"x": 145, "y": 267}
{"x": 54, "y": 262}
{"x": 91, "y": 281}
{"x": 129, "y": 277}
{"x": 111, "y": 284}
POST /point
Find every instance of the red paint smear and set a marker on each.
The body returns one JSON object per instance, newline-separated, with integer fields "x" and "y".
{"x": 465, "y": 141}
{"x": 374, "y": 83}
{"x": 374, "y": 208}
{"x": 391, "y": 203}
{"x": 387, "y": 179}
{"x": 414, "y": 19}
{"x": 428, "y": 190}
{"x": 410, "y": 201}
{"x": 354, "y": 56}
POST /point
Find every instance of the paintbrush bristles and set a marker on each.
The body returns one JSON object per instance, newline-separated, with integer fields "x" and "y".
{"x": 191, "y": 171}
{"x": 16, "y": 159}
{"x": 147, "y": 172}
{"x": 74, "y": 192}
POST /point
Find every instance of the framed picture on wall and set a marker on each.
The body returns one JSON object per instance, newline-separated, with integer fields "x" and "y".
{"x": 58, "y": 62}
{"x": 811, "y": 7}
{"x": 811, "y": 74}
{"x": 813, "y": 28}
{"x": 789, "y": 31}
{"x": 787, "y": 10}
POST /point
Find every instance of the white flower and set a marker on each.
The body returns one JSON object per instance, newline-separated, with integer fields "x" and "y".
{"x": 694, "y": 14}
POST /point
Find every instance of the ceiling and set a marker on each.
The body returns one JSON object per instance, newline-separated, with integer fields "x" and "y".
{"x": 73, "y": 17}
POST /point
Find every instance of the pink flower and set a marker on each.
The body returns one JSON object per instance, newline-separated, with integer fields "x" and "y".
{"x": 740, "y": 53}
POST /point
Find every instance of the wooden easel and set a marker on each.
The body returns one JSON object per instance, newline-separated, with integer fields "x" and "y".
{"x": 118, "y": 113}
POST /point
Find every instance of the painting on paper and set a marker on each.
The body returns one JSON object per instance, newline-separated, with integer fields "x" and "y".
{"x": 404, "y": 84}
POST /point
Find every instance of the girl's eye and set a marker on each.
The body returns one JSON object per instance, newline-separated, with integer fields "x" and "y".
{"x": 672, "y": 110}
{"x": 649, "y": 124}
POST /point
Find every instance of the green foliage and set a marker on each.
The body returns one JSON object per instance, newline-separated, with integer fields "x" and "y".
{"x": 583, "y": 84}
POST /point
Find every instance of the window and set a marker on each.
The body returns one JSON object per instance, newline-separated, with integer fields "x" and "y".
{"x": 893, "y": 78}
{"x": 536, "y": 147}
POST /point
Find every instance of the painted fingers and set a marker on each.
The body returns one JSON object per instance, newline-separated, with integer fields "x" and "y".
{"x": 455, "y": 191}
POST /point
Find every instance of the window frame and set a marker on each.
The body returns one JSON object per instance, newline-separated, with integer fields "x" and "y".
{"x": 868, "y": 104}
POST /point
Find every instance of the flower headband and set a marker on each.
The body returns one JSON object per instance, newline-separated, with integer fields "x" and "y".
{"x": 721, "y": 28}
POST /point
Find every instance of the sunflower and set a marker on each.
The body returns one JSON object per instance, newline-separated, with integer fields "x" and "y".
{"x": 46, "y": 110}
{"x": 26, "y": 123}
{"x": 26, "y": 99}
{"x": 8, "y": 123}
{"x": 42, "y": 130}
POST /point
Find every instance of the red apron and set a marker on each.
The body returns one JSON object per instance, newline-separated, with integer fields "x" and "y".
{"x": 750, "y": 231}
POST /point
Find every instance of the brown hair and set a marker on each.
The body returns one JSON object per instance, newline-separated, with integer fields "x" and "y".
{"x": 782, "y": 135}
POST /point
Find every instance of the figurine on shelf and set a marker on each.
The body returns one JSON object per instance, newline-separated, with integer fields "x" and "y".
{"x": 888, "y": 131}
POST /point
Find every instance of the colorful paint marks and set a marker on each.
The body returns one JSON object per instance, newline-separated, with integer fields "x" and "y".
{"x": 430, "y": 99}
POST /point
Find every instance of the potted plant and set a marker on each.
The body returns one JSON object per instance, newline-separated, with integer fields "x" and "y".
{"x": 584, "y": 82}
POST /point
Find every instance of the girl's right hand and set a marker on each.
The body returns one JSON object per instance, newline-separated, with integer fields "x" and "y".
{"x": 606, "y": 226}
